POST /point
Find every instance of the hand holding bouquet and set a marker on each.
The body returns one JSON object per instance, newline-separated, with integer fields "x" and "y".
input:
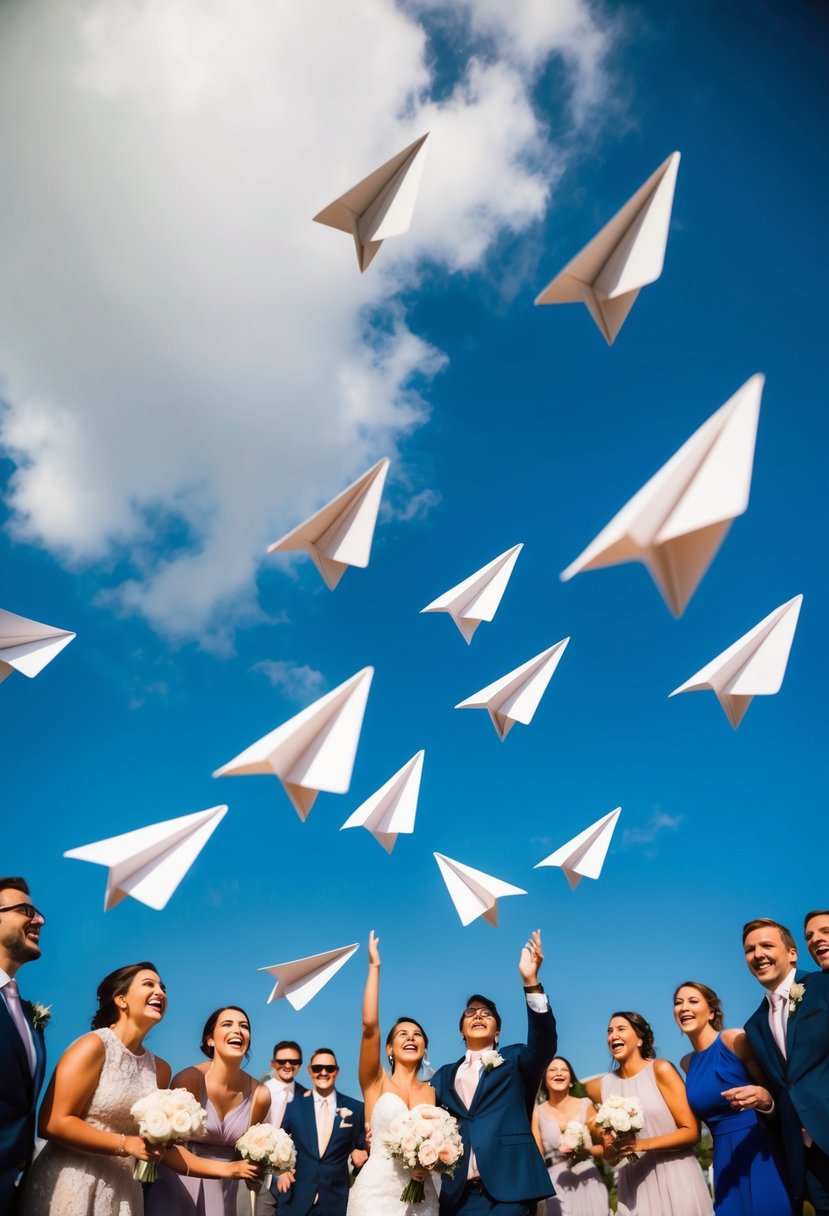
{"x": 267, "y": 1145}
{"x": 621, "y": 1118}
{"x": 574, "y": 1142}
{"x": 426, "y": 1138}
{"x": 165, "y": 1116}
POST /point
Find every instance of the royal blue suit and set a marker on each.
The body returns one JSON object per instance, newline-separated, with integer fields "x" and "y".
{"x": 325, "y": 1176}
{"x": 496, "y": 1127}
{"x": 18, "y": 1098}
{"x": 799, "y": 1083}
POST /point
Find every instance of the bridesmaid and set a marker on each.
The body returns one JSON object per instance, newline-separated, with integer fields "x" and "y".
{"x": 579, "y": 1187}
{"x": 727, "y": 1089}
{"x": 233, "y": 1100}
{"x": 667, "y": 1179}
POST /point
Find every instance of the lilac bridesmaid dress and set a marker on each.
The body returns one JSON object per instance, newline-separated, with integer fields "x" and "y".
{"x": 579, "y": 1187}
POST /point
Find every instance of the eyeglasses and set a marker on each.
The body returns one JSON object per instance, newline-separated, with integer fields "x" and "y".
{"x": 287, "y": 1063}
{"x": 316, "y": 1069}
{"x": 479, "y": 1012}
{"x": 28, "y": 910}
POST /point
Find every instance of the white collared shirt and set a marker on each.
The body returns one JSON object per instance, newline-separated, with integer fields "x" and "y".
{"x": 28, "y": 1037}
{"x": 282, "y": 1092}
{"x": 783, "y": 989}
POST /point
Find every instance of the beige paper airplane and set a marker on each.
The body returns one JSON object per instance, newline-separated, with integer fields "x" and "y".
{"x": 314, "y": 750}
{"x": 150, "y": 862}
{"x": 753, "y": 667}
{"x": 340, "y": 534}
{"x": 583, "y": 856}
{"x": 303, "y": 978}
{"x": 676, "y": 523}
{"x": 625, "y": 256}
{"x": 477, "y": 598}
{"x": 474, "y": 893}
{"x": 381, "y": 205}
{"x": 27, "y": 646}
{"x": 515, "y": 697}
{"x": 392, "y": 809}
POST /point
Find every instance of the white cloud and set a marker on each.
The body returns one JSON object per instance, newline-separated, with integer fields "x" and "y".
{"x": 299, "y": 682}
{"x": 659, "y": 822}
{"x": 189, "y": 365}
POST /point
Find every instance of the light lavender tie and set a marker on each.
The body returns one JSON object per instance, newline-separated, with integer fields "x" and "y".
{"x": 12, "y": 994}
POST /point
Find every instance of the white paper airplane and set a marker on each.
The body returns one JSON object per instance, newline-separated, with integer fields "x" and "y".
{"x": 474, "y": 893}
{"x": 515, "y": 697}
{"x": 150, "y": 862}
{"x": 753, "y": 667}
{"x": 302, "y": 979}
{"x": 393, "y": 808}
{"x": 676, "y": 523}
{"x": 477, "y": 598}
{"x": 340, "y": 534}
{"x": 314, "y": 750}
{"x": 583, "y": 856}
{"x": 381, "y": 205}
{"x": 625, "y": 256}
{"x": 27, "y": 646}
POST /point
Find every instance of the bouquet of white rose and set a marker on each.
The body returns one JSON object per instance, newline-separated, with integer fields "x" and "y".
{"x": 427, "y": 1136}
{"x": 574, "y": 1142}
{"x": 623, "y": 1118}
{"x": 266, "y": 1144}
{"x": 163, "y": 1117}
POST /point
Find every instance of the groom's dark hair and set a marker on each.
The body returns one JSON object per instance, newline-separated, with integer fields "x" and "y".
{"x": 477, "y": 999}
{"x": 15, "y": 884}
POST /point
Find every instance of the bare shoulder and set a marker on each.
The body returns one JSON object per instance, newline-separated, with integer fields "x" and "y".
{"x": 665, "y": 1071}
{"x": 163, "y": 1072}
{"x": 427, "y": 1095}
{"x": 735, "y": 1040}
{"x": 189, "y": 1078}
{"x": 86, "y": 1052}
{"x": 685, "y": 1061}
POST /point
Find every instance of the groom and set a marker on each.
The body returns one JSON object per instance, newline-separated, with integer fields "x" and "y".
{"x": 22, "y": 1053}
{"x": 790, "y": 1036}
{"x": 491, "y": 1092}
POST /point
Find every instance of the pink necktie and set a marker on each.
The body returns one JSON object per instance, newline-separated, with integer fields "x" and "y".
{"x": 776, "y": 1023}
{"x": 12, "y": 995}
{"x": 468, "y": 1075}
{"x": 325, "y": 1125}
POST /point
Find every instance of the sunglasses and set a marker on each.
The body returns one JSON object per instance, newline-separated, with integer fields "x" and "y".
{"x": 28, "y": 910}
{"x": 287, "y": 1063}
{"x": 316, "y": 1069}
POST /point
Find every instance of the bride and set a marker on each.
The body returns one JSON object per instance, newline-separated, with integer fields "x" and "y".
{"x": 381, "y": 1182}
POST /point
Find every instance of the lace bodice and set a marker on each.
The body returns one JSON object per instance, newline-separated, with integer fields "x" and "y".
{"x": 124, "y": 1079}
{"x": 380, "y": 1183}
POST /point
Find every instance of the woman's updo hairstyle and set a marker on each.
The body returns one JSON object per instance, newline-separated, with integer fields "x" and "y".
{"x": 210, "y": 1026}
{"x": 116, "y": 984}
{"x": 717, "y": 1019}
{"x": 642, "y": 1028}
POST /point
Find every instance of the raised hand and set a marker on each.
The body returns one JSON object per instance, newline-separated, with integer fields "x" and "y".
{"x": 531, "y": 959}
{"x": 373, "y": 952}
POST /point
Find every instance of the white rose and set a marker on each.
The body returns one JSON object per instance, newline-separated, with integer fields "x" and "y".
{"x": 180, "y": 1123}
{"x": 157, "y": 1127}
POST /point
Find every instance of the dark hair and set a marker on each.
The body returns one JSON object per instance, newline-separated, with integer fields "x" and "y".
{"x": 717, "y": 1018}
{"x": 324, "y": 1051}
{"x": 478, "y": 999}
{"x": 210, "y": 1026}
{"x": 399, "y": 1022}
{"x": 641, "y": 1027}
{"x": 542, "y": 1089}
{"x": 764, "y": 922}
{"x": 806, "y": 918}
{"x": 287, "y": 1043}
{"x": 15, "y": 884}
{"x": 116, "y": 984}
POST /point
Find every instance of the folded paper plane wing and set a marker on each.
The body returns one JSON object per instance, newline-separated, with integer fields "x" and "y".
{"x": 392, "y": 809}
{"x": 474, "y": 893}
{"x": 516, "y": 696}
{"x": 27, "y": 646}
{"x": 583, "y": 856}
{"x": 302, "y": 979}
{"x": 477, "y": 598}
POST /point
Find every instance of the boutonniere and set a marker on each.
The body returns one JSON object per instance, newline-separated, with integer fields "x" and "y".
{"x": 796, "y": 994}
{"x": 39, "y": 1014}
{"x": 344, "y": 1113}
{"x": 490, "y": 1060}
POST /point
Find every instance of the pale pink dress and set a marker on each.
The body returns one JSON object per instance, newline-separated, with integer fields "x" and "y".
{"x": 658, "y": 1184}
{"x": 579, "y": 1187}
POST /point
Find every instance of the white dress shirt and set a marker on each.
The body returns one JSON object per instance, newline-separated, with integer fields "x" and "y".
{"x": 15, "y": 1008}
{"x": 779, "y": 1010}
{"x": 282, "y": 1092}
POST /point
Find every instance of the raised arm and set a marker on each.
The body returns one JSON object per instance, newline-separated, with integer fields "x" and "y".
{"x": 370, "y": 1069}
{"x": 542, "y": 1039}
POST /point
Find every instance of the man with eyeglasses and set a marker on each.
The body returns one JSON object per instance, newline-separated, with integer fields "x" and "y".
{"x": 327, "y": 1128}
{"x": 22, "y": 1051}
{"x": 285, "y": 1064}
{"x": 491, "y": 1092}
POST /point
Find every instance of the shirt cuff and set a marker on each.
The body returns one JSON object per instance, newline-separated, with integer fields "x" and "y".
{"x": 537, "y": 1001}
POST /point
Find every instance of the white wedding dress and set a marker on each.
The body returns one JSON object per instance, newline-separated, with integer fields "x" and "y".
{"x": 382, "y": 1180}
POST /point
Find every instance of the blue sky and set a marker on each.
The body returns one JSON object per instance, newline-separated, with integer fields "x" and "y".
{"x": 532, "y": 430}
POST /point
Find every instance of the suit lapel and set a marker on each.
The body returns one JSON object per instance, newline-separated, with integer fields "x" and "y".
{"x": 801, "y": 977}
{"x": 12, "y": 1035}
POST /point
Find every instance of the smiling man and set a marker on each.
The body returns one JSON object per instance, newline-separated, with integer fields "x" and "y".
{"x": 22, "y": 1052}
{"x": 285, "y": 1064}
{"x": 816, "y": 932}
{"x": 790, "y": 1036}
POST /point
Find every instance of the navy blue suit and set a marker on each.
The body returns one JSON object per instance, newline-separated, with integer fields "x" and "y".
{"x": 799, "y": 1083}
{"x": 325, "y": 1176}
{"x": 18, "y": 1098}
{"x": 496, "y": 1127}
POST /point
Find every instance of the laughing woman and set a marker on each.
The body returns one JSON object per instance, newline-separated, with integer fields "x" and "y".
{"x": 579, "y": 1187}
{"x": 202, "y": 1178}
{"x": 666, "y": 1180}
{"x": 86, "y": 1168}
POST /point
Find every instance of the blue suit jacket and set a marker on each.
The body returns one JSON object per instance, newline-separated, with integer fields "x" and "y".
{"x": 497, "y": 1124}
{"x": 18, "y": 1098}
{"x": 799, "y": 1083}
{"x": 326, "y": 1176}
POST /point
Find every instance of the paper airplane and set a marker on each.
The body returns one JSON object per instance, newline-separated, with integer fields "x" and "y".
{"x": 381, "y": 205}
{"x": 27, "y": 646}
{"x": 753, "y": 667}
{"x": 302, "y": 979}
{"x": 676, "y": 523}
{"x": 474, "y": 893}
{"x": 312, "y": 751}
{"x": 150, "y": 862}
{"x": 340, "y": 534}
{"x": 583, "y": 856}
{"x": 477, "y": 598}
{"x": 625, "y": 256}
{"x": 515, "y": 697}
{"x": 392, "y": 809}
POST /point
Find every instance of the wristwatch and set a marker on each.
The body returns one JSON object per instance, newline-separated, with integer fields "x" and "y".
{"x": 533, "y": 988}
